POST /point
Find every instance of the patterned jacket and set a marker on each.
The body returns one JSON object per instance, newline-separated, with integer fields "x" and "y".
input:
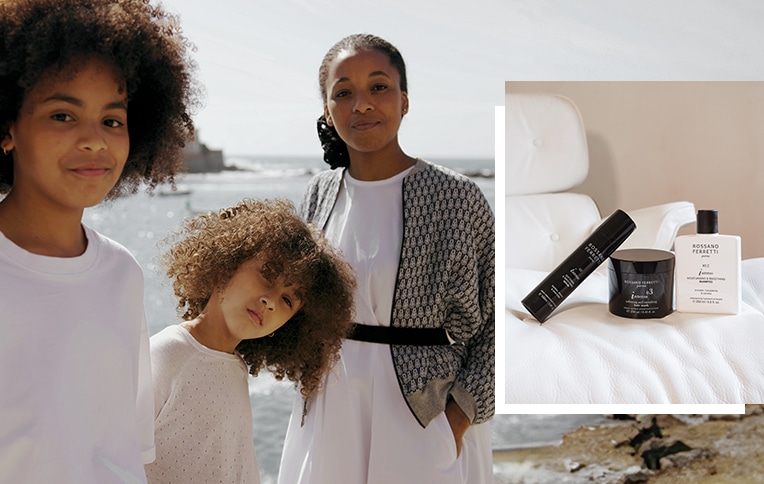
{"x": 445, "y": 279}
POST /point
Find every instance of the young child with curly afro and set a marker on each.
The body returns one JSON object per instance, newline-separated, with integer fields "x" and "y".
{"x": 95, "y": 101}
{"x": 257, "y": 288}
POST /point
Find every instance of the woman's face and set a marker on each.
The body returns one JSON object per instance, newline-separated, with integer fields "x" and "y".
{"x": 364, "y": 101}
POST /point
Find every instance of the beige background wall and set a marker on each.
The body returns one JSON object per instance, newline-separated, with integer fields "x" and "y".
{"x": 657, "y": 142}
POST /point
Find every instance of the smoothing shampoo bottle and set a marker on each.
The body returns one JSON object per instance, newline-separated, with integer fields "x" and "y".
{"x": 708, "y": 269}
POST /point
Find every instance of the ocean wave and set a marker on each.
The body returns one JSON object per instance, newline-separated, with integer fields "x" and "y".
{"x": 287, "y": 167}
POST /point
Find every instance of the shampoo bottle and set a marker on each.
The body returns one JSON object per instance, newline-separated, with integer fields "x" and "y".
{"x": 708, "y": 269}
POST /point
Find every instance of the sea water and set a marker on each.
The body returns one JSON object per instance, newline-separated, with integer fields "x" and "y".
{"x": 140, "y": 222}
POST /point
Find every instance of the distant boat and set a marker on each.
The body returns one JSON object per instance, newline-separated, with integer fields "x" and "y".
{"x": 167, "y": 191}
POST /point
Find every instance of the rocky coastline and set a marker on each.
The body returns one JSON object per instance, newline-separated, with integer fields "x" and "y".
{"x": 654, "y": 449}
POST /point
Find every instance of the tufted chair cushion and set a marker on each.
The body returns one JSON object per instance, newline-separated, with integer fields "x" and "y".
{"x": 546, "y": 146}
{"x": 541, "y": 230}
{"x": 546, "y": 152}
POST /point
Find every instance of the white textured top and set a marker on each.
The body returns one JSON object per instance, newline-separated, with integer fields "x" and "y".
{"x": 367, "y": 226}
{"x": 75, "y": 380}
{"x": 203, "y": 413}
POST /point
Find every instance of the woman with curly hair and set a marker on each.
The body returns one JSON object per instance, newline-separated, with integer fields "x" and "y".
{"x": 257, "y": 288}
{"x": 94, "y": 101}
{"x": 410, "y": 399}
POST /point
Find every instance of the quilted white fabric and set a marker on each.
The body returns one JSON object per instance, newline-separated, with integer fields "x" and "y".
{"x": 585, "y": 355}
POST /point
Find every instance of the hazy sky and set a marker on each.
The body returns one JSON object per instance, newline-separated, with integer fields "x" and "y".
{"x": 259, "y": 59}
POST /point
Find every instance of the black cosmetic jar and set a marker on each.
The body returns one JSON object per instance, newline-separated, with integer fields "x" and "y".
{"x": 641, "y": 283}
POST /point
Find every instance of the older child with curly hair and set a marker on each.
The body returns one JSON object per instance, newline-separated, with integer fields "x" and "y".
{"x": 94, "y": 101}
{"x": 257, "y": 288}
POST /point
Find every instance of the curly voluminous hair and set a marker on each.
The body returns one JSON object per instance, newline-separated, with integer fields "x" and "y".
{"x": 335, "y": 150}
{"x": 39, "y": 38}
{"x": 208, "y": 250}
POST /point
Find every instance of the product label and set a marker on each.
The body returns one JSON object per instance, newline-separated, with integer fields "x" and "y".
{"x": 707, "y": 270}
{"x": 705, "y": 275}
{"x": 704, "y": 292}
{"x": 705, "y": 249}
{"x": 570, "y": 279}
{"x": 548, "y": 300}
{"x": 594, "y": 254}
{"x": 644, "y": 297}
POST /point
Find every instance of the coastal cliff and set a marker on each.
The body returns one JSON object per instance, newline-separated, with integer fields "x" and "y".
{"x": 201, "y": 159}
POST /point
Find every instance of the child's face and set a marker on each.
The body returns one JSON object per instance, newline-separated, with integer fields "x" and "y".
{"x": 364, "y": 102}
{"x": 254, "y": 307}
{"x": 70, "y": 140}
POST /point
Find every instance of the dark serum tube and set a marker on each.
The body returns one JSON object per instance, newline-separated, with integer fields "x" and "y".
{"x": 595, "y": 250}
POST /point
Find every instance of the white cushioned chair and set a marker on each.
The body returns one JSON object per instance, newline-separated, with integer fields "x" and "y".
{"x": 583, "y": 354}
{"x": 547, "y": 153}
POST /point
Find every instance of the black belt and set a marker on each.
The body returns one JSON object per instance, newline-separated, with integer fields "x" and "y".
{"x": 399, "y": 336}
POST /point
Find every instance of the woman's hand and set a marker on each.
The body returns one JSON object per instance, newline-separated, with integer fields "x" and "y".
{"x": 458, "y": 421}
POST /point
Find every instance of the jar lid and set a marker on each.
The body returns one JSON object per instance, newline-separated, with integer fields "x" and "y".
{"x": 642, "y": 261}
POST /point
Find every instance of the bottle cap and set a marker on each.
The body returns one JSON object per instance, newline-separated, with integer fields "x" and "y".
{"x": 616, "y": 228}
{"x": 708, "y": 222}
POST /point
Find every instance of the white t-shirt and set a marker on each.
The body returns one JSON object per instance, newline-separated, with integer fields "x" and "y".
{"x": 203, "y": 413}
{"x": 75, "y": 377}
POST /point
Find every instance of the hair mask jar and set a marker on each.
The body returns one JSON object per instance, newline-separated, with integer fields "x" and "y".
{"x": 641, "y": 283}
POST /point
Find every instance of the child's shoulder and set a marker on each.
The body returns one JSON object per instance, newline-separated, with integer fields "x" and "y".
{"x": 172, "y": 336}
{"x": 113, "y": 258}
{"x": 170, "y": 349}
{"x": 110, "y": 249}
{"x": 175, "y": 343}
{"x": 174, "y": 352}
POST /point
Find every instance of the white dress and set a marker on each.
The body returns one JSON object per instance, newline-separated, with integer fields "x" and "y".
{"x": 360, "y": 429}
